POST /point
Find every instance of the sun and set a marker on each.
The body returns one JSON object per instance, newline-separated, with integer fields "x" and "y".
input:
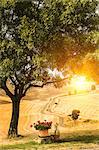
{"x": 80, "y": 82}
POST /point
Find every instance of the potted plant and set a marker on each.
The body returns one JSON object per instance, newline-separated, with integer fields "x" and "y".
{"x": 42, "y": 127}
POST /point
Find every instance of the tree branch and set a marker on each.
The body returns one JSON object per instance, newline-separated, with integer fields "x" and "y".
{"x": 41, "y": 85}
{"x": 13, "y": 81}
{"x": 17, "y": 78}
{"x": 5, "y": 88}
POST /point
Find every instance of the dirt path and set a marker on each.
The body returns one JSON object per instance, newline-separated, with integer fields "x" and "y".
{"x": 32, "y": 109}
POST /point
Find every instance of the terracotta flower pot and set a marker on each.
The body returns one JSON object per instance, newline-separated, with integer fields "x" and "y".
{"x": 43, "y": 133}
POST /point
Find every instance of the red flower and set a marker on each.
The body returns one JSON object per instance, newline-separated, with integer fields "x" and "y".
{"x": 42, "y": 125}
{"x": 31, "y": 125}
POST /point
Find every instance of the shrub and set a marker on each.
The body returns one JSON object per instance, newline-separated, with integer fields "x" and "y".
{"x": 75, "y": 114}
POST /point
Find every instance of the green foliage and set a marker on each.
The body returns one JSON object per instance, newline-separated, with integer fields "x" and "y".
{"x": 92, "y": 56}
{"x": 42, "y": 125}
{"x": 35, "y": 35}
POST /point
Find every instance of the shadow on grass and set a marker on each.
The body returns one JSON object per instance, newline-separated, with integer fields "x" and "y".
{"x": 85, "y": 139}
{"x": 77, "y": 138}
{"x": 81, "y": 139}
{"x": 4, "y": 102}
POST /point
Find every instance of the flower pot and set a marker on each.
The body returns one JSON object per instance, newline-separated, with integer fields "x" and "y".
{"x": 43, "y": 133}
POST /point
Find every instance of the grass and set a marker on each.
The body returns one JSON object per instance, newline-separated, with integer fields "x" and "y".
{"x": 55, "y": 146}
{"x": 74, "y": 136}
{"x": 83, "y": 135}
{"x": 74, "y": 142}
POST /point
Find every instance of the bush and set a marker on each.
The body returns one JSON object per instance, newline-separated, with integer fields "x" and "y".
{"x": 75, "y": 114}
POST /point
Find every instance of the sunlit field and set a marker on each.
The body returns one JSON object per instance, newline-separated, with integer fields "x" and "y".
{"x": 34, "y": 107}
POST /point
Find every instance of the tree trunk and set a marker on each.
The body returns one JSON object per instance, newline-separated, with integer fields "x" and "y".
{"x": 13, "y": 129}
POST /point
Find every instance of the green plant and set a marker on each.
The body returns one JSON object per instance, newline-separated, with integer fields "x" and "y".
{"x": 42, "y": 125}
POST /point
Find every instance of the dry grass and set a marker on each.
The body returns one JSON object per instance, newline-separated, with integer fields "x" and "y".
{"x": 75, "y": 141}
{"x": 83, "y": 134}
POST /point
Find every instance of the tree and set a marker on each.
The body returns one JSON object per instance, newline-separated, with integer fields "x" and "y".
{"x": 30, "y": 33}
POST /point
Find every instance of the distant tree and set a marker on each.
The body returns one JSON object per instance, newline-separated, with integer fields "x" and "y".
{"x": 31, "y": 34}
